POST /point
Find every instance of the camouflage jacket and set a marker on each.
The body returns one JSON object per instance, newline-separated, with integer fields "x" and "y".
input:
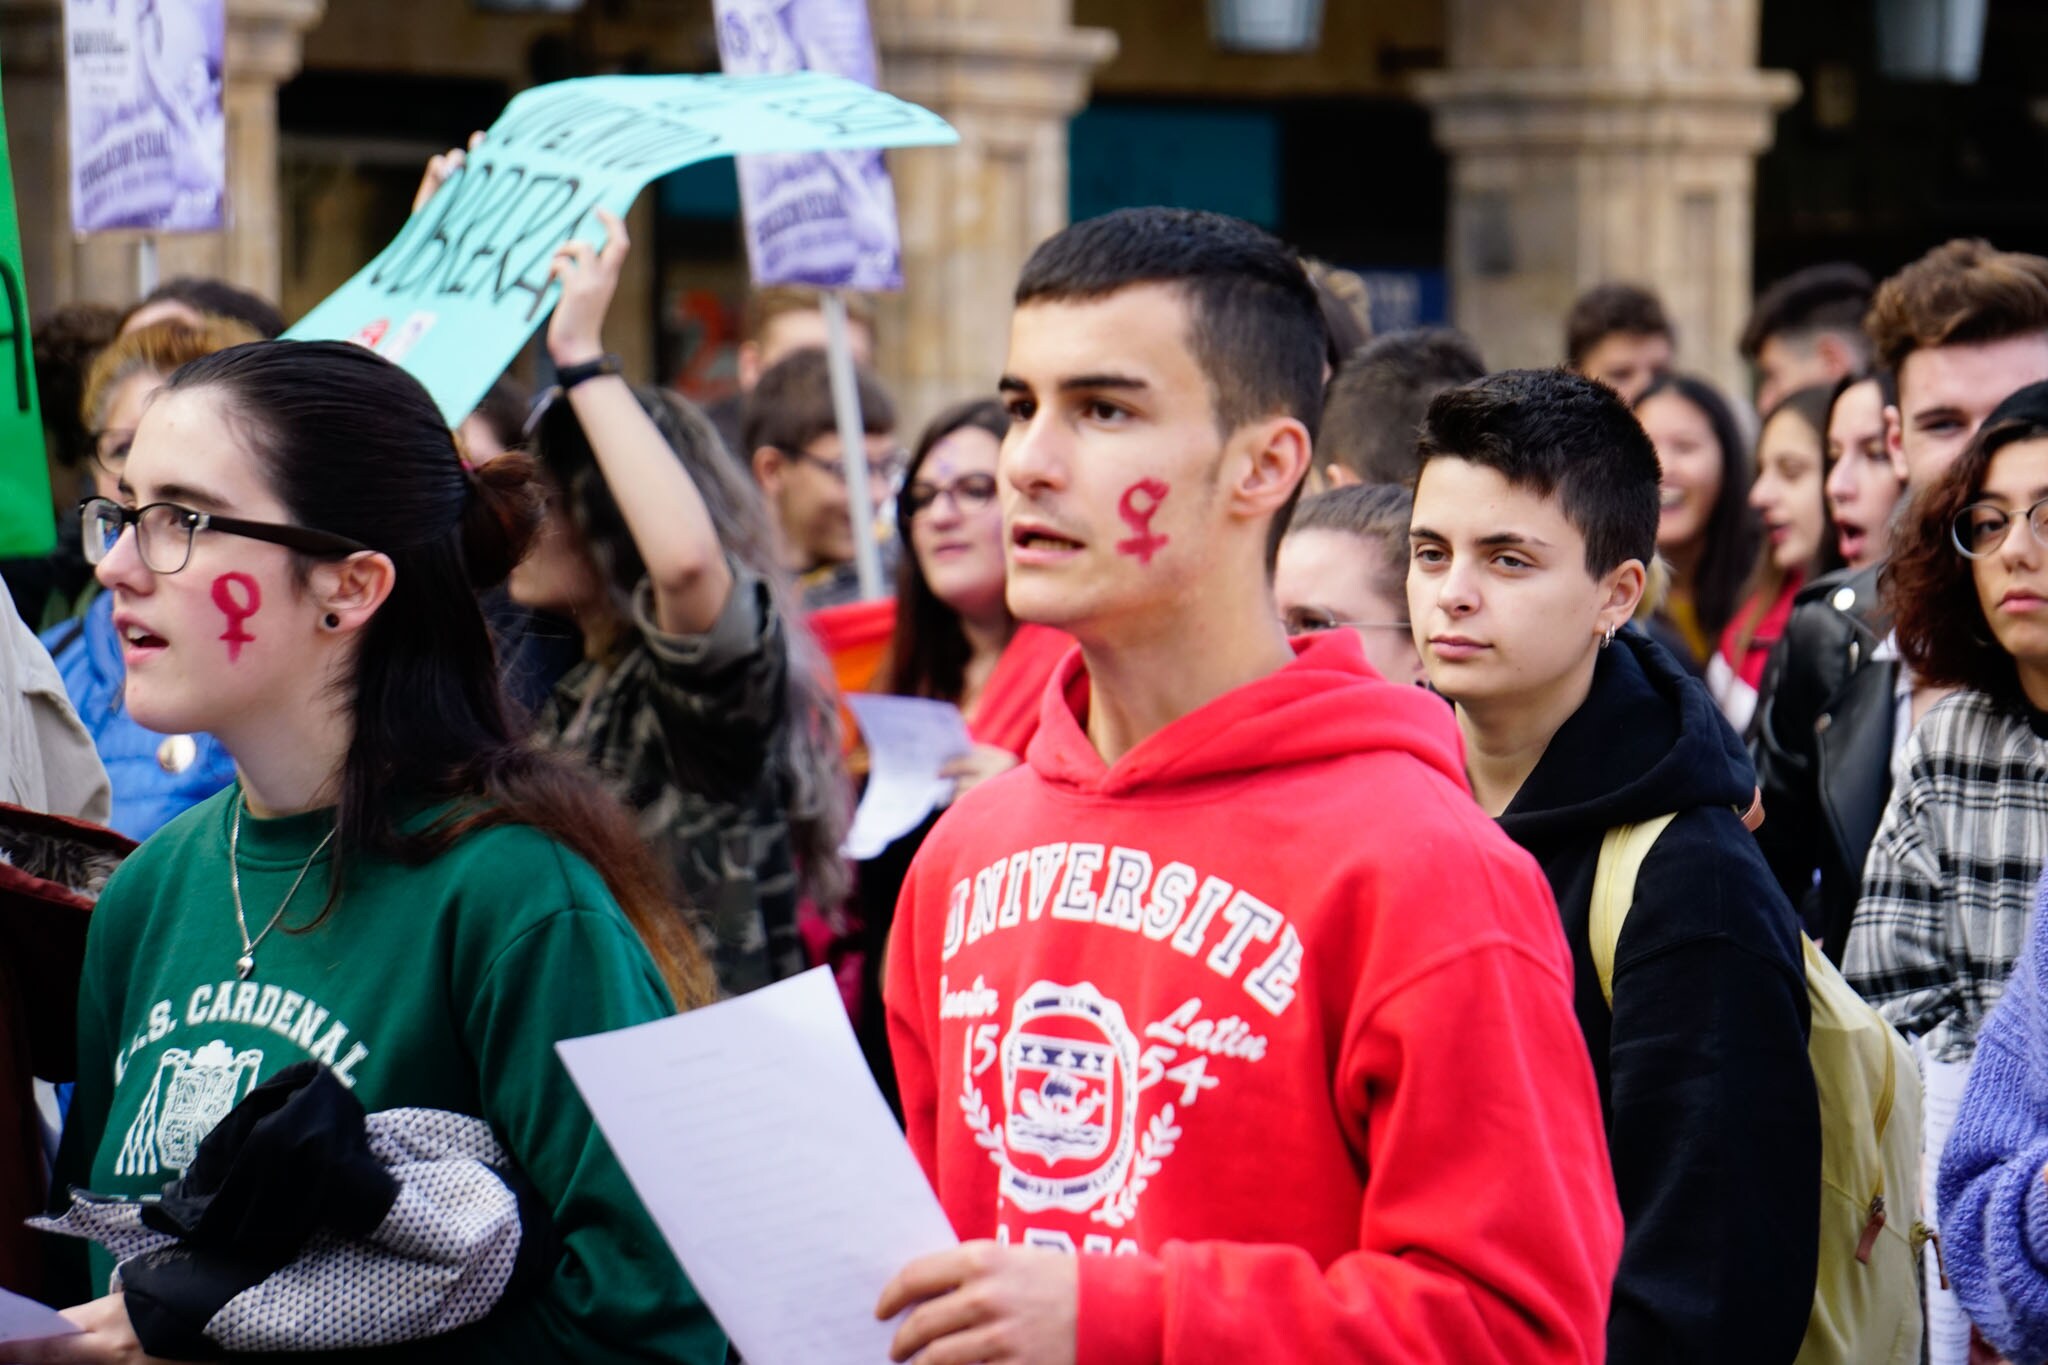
{"x": 685, "y": 730}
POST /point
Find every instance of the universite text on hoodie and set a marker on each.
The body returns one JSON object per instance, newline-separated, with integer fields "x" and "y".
{"x": 1712, "y": 1116}
{"x": 1273, "y": 1019}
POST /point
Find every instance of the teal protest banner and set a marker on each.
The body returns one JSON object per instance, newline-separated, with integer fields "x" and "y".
{"x": 465, "y": 282}
{"x": 26, "y": 526}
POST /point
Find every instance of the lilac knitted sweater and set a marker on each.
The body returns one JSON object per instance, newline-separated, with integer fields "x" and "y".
{"x": 1994, "y": 1171}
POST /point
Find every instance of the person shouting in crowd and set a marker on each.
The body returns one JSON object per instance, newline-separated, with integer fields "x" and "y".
{"x": 1807, "y": 330}
{"x": 398, "y": 888}
{"x": 1863, "y": 484}
{"x": 1789, "y": 501}
{"x": 1948, "y": 892}
{"x": 154, "y": 776}
{"x": 1619, "y": 335}
{"x": 698, "y": 699}
{"x": 791, "y": 436}
{"x": 1706, "y": 530}
{"x": 1958, "y": 329}
{"x": 1112, "y": 986}
{"x": 1344, "y": 566}
{"x": 1535, "y": 518}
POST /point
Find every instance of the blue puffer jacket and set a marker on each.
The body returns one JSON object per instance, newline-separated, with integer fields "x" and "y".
{"x": 146, "y": 796}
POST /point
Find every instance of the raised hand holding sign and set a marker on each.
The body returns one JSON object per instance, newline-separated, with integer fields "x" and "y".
{"x": 471, "y": 274}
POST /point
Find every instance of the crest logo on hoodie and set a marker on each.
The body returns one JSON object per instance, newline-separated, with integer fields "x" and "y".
{"x": 1070, "y": 1064}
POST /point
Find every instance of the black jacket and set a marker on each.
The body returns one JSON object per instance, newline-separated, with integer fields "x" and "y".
{"x": 1824, "y": 750}
{"x": 1712, "y": 1119}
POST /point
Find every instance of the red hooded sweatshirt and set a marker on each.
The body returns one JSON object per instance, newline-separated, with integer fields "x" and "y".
{"x": 1273, "y": 1017}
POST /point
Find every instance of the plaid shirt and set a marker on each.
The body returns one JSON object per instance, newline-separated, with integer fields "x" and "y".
{"x": 1948, "y": 891}
{"x": 683, "y": 729}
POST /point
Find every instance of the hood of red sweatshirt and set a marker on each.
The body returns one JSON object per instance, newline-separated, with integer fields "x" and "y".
{"x": 1327, "y": 703}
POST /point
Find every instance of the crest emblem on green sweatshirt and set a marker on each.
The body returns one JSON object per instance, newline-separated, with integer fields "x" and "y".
{"x": 188, "y": 1095}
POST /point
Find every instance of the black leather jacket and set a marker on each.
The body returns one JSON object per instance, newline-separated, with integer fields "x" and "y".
{"x": 1823, "y": 749}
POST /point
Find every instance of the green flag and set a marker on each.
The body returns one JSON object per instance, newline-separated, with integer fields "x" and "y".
{"x": 25, "y": 525}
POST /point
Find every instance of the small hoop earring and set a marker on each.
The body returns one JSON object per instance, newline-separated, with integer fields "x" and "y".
{"x": 333, "y": 622}
{"x": 1608, "y": 638}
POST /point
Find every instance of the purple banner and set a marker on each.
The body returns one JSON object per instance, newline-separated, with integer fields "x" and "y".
{"x": 143, "y": 80}
{"x": 822, "y": 218}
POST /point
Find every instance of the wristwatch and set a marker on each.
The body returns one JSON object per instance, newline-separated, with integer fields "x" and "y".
{"x": 569, "y": 376}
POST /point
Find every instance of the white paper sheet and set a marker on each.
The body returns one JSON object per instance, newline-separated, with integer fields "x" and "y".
{"x": 755, "y": 1136}
{"x": 26, "y": 1320}
{"x": 1941, "y": 1087}
{"x": 909, "y": 739}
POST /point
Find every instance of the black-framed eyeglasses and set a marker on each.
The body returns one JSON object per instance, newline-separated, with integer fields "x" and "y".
{"x": 110, "y": 451}
{"x": 1316, "y": 620}
{"x": 1982, "y": 527}
{"x": 970, "y": 493}
{"x": 164, "y": 531}
{"x": 882, "y": 473}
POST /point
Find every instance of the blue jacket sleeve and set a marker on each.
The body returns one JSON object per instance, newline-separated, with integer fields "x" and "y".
{"x": 1993, "y": 1183}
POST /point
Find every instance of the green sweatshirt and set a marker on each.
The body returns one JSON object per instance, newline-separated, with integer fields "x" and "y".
{"x": 444, "y": 986}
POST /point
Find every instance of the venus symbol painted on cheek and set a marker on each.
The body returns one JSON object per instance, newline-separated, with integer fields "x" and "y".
{"x": 237, "y": 607}
{"x": 1143, "y": 544}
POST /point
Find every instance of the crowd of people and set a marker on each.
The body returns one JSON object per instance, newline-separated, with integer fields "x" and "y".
{"x": 1451, "y": 864}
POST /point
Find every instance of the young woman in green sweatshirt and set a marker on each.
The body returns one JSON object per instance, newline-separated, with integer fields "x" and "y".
{"x": 396, "y": 887}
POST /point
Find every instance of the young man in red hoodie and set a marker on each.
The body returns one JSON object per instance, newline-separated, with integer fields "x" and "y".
{"x": 1230, "y": 986}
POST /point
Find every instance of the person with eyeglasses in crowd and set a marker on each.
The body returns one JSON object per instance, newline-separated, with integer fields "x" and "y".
{"x": 791, "y": 438}
{"x": 700, "y": 698}
{"x": 154, "y": 776}
{"x": 399, "y": 892}
{"x": 1948, "y": 891}
{"x": 1954, "y": 333}
{"x": 953, "y": 639}
{"x": 1344, "y": 566}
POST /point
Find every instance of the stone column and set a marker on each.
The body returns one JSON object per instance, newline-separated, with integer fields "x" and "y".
{"x": 1009, "y": 81}
{"x": 263, "y": 51}
{"x": 1601, "y": 140}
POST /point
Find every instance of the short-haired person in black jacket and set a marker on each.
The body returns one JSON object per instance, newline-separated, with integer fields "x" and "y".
{"x": 1960, "y": 329}
{"x": 1535, "y": 515}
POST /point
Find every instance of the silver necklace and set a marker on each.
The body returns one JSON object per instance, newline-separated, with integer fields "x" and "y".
{"x": 246, "y": 963}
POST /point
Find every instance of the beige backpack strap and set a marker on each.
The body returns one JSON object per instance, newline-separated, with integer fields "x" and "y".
{"x": 1614, "y": 890}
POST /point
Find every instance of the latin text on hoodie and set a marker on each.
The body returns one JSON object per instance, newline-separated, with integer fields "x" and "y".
{"x": 1269, "y": 1016}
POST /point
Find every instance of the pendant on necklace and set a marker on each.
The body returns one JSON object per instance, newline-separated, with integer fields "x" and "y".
{"x": 245, "y": 964}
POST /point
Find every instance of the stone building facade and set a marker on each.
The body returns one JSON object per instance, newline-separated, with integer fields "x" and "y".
{"x": 1587, "y": 139}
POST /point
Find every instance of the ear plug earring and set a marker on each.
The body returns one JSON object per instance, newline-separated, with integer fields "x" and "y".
{"x": 332, "y": 622}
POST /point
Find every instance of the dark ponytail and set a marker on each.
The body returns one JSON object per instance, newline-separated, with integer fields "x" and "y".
{"x": 501, "y": 517}
{"x": 355, "y": 446}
